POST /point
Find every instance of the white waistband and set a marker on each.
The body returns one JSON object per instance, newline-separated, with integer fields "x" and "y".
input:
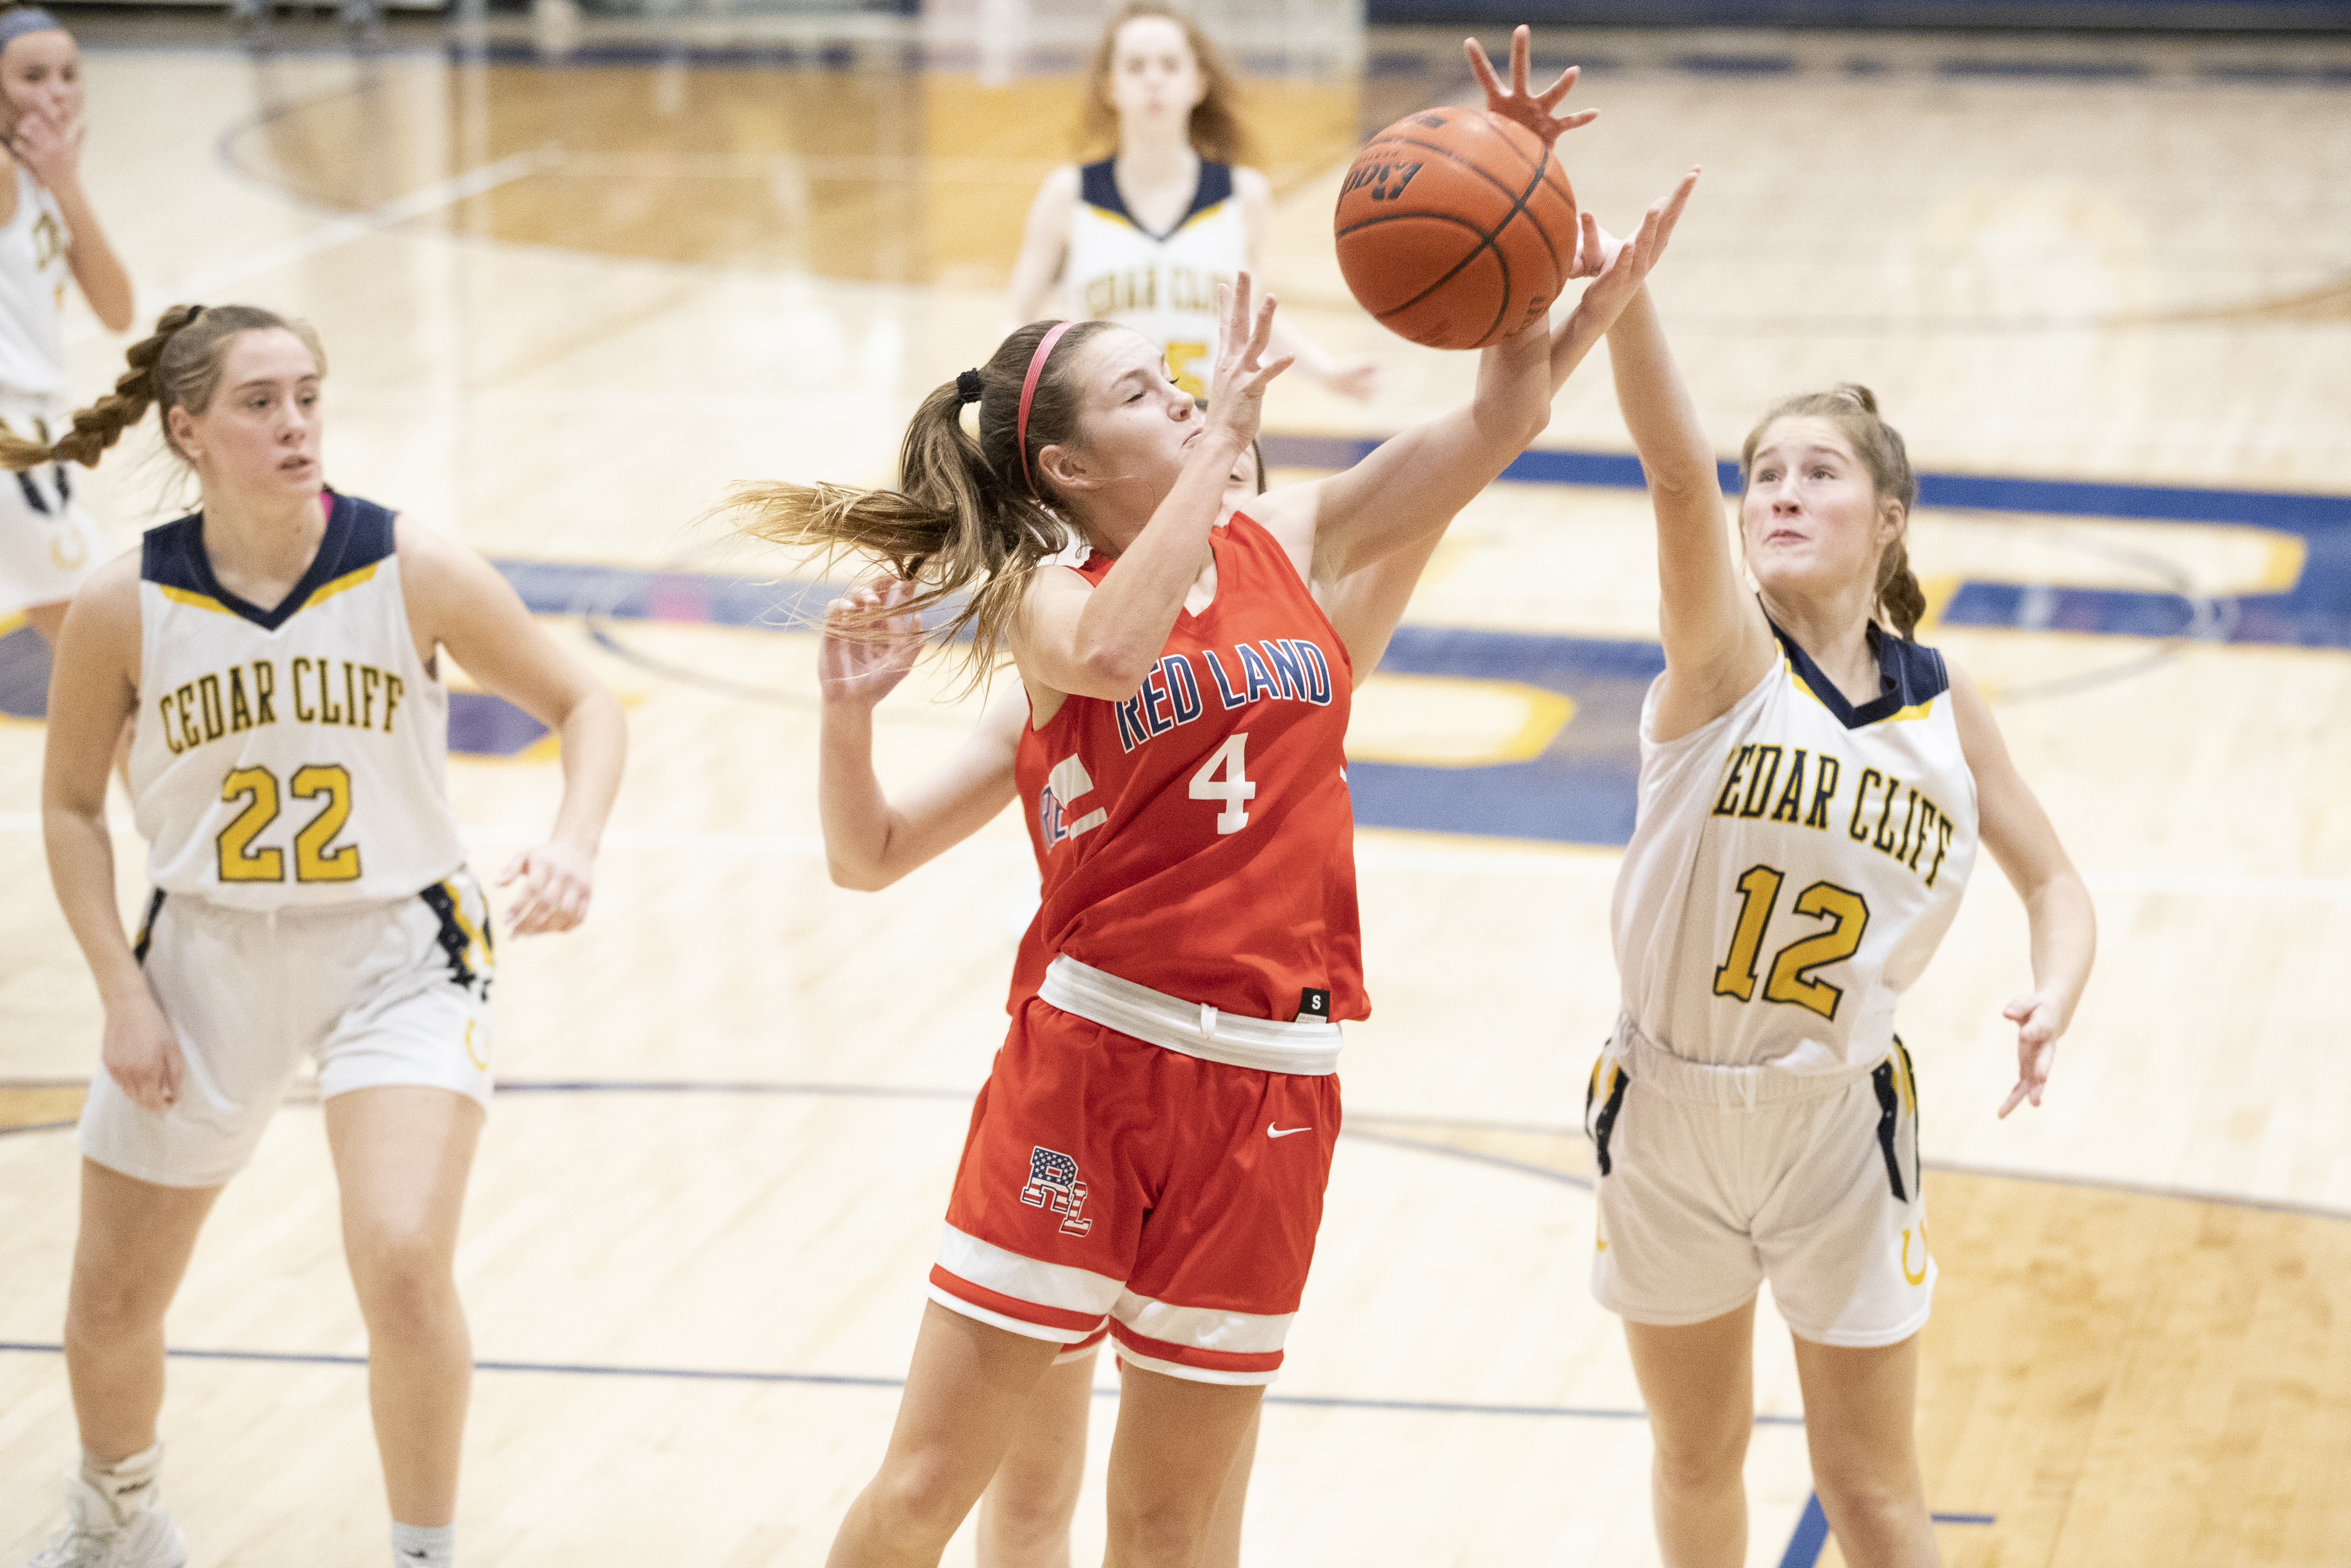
{"x": 1195, "y": 1028}
{"x": 1733, "y": 1086}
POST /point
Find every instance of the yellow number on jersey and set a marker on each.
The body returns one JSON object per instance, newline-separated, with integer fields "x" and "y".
{"x": 313, "y": 860}
{"x": 1791, "y": 970}
{"x": 240, "y": 861}
{"x": 1791, "y": 967}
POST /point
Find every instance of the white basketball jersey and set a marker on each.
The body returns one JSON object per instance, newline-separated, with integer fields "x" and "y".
{"x": 1163, "y": 286}
{"x": 290, "y": 756}
{"x": 34, "y": 268}
{"x": 1793, "y": 866}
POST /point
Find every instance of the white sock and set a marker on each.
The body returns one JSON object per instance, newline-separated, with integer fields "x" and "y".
{"x": 415, "y": 1546}
{"x": 127, "y": 1485}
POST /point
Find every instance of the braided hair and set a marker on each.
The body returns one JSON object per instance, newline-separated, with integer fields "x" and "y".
{"x": 178, "y": 366}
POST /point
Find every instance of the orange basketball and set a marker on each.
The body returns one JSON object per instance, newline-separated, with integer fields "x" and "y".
{"x": 1456, "y": 228}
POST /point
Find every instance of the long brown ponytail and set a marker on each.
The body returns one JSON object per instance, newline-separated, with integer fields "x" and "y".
{"x": 962, "y": 521}
{"x": 178, "y": 366}
{"x": 1853, "y": 409}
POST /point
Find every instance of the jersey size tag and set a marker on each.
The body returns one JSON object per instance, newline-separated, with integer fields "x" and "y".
{"x": 1313, "y": 1004}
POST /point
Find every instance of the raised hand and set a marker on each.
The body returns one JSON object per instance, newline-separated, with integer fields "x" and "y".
{"x": 1533, "y": 110}
{"x": 866, "y": 652}
{"x": 1236, "y": 397}
{"x": 557, "y": 879}
{"x": 2038, "y": 1024}
{"x": 1617, "y": 269}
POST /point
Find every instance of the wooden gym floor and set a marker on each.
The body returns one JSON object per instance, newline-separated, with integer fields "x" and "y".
{"x": 2106, "y": 289}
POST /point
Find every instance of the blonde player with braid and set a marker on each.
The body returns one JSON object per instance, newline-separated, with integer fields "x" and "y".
{"x": 277, "y": 653}
{"x": 49, "y": 233}
{"x": 1814, "y": 788}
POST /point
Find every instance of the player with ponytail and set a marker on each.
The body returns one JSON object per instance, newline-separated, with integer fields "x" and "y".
{"x": 1150, "y": 1150}
{"x": 49, "y": 233}
{"x": 276, "y": 658}
{"x": 1814, "y": 786}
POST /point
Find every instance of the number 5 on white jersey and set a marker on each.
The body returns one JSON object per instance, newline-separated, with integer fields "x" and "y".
{"x": 1233, "y": 789}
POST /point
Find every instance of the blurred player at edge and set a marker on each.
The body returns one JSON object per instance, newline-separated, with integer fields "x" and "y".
{"x": 48, "y": 231}
{"x": 1144, "y": 236}
{"x": 280, "y": 651}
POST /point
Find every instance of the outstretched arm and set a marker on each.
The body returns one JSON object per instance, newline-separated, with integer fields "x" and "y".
{"x": 871, "y": 841}
{"x": 2057, "y": 905}
{"x": 458, "y": 600}
{"x": 1717, "y": 642}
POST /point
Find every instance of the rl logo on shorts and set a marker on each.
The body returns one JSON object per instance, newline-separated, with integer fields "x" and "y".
{"x": 1053, "y": 1184}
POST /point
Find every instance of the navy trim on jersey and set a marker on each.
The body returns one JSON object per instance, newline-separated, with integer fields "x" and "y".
{"x": 359, "y": 533}
{"x": 1098, "y": 187}
{"x": 1907, "y": 675}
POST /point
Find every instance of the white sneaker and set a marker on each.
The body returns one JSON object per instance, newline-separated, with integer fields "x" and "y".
{"x": 99, "y": 1537}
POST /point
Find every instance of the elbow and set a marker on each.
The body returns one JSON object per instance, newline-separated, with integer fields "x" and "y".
{"x": 857, "y": 879}
{"x": 117, "y": 319}
{"x": 1116, "y": 674}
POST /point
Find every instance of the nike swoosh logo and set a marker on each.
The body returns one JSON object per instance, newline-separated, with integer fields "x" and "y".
{"x": 1273, "y": 1131}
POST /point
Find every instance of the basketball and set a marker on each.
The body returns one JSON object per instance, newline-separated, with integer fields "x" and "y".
{"x": 1456, "y": 228}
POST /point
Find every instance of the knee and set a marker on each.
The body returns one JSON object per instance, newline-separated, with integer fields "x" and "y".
{"x": 1147, "y": 1537}
{"x": 407, "y": 1287}
{"x": 1025, "y": 1532}
{"x": 106, "y": 1309}
{"x": 1703, "y": 1461}
{"x": 1871, "y": 1502}
{"x": 913, "y": 1502}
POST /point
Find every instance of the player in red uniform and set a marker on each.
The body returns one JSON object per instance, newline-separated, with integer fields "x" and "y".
{"x": 1152, "y": 1146}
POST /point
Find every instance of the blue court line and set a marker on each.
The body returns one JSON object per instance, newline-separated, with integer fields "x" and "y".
{"x": 1813, "y": 1531}
{"x": 847, "y": 1380}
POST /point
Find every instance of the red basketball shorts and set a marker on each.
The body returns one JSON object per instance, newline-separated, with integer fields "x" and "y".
{"x": 1105, "y": 1178}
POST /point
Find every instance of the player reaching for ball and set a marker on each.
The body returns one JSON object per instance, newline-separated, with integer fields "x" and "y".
{"x": 1813, "y": 786}
{"x": 1151, "y": 1147}
{"x": 277, "y": 653}
{"x": 1144, "y": 236}
{"x": 872, "y": 841}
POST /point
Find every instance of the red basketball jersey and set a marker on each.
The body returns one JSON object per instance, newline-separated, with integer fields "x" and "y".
{"x": 1197, "y": 837}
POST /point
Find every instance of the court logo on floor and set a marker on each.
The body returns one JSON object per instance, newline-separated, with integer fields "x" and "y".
{"x": 1053, "y": 1184}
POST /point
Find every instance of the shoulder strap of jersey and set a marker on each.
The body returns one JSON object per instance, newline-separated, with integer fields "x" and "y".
{"x": 1215, "y": 187}
{"x": 1909, "y": 676}
{"x": 1098, "y": 187}
{"x": 170, "y": 556}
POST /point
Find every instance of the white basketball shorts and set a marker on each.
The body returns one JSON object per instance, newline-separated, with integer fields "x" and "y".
{"x": 379, "y": 994}
{"x": 1713, "y": 1179}
{"x": 48, "y": 545}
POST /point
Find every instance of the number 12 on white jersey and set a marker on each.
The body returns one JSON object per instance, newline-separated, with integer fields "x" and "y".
{"x": 1233, "y": 788}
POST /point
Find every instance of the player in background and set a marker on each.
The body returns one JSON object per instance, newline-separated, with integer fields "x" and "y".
{"x": 48, "y": 232}
{"x": 1813, "y": 785}
{"x": 1144, "y": 236}
{"x": 1151, "y": 1147}
{"x": 277, "y": 653}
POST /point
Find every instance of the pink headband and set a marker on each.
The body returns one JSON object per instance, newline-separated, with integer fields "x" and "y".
{"x": 1028, "y": 393}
